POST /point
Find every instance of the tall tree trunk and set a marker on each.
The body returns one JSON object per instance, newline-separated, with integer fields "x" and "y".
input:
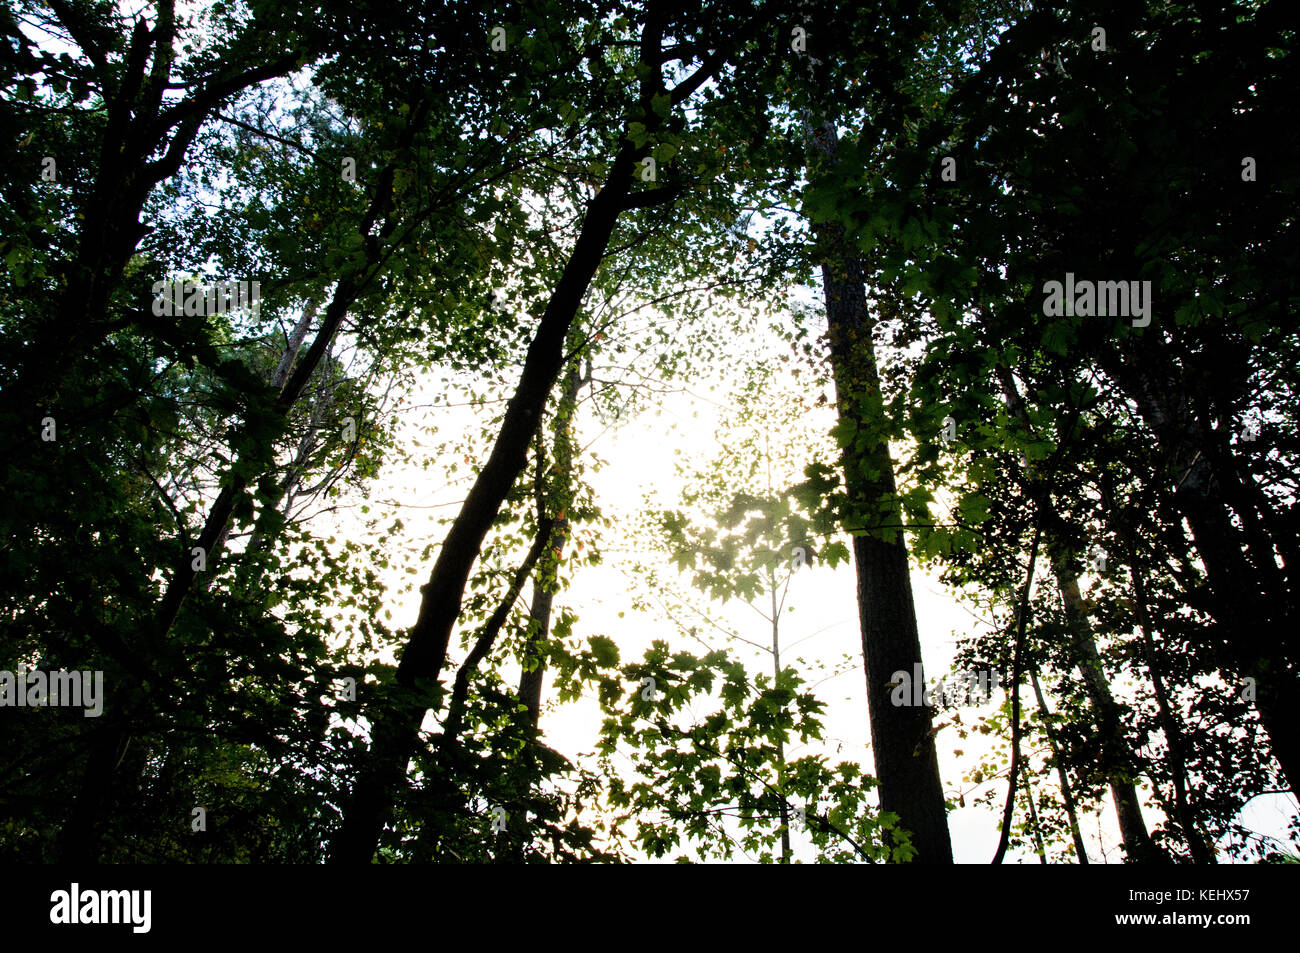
{"x": 396, "y": 729}
{"x": 1116, "y": 752}
{"x": 1198, "y": 844}
{"x": 906, "y": 762}
{"x": 780, "y": 744}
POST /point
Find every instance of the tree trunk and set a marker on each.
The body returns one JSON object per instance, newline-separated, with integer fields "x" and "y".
{"x": 293, "y": 380}
{"x": 555, "y": 502}
{"x": 397, "y": 728}
{"x": 217, "y": 525}
{"x": 1253, "y": 605}
{"x": 1116, "y": 751}
{"x": 1067, "y": 792}
{"x": 1039, "y": 847}
{"x": 906, "y": 763}
{"x": 1198, "y": 844}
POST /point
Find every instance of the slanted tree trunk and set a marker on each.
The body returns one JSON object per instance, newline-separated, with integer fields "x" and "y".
{"x": 396, "y": 728}
{"x": 1067, "y": 792}
{"x": 1039, "y": 847}
{"x": 1116, "y": 752}
{"x": 1200, "y": 846}
{"x": 185, "y": 578}
{"x": 1115, "y": 749}
{"x": 448, "y": 795}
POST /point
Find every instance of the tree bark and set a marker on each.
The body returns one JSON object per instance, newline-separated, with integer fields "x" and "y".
{"x": 906, "y": 762}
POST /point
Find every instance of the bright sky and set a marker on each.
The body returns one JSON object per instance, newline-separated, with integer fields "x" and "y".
{"x": 819, "y": 627}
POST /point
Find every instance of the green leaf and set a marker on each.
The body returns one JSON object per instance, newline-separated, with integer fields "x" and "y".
{"x": 604, "y": 650}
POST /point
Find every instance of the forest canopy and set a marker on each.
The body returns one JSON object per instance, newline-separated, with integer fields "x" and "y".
{"x": 570, "y": 431}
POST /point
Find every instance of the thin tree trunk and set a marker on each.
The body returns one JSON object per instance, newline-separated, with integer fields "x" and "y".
{"x": 539, "y": 632}
{"x": 1017, "y": 672}
{"x": 1116, "y": 752}
{"x": 780, "y": 744}
{"x": 553, "y": 501}
{"x": 1067, "y": 792}
{"x": 1033, "y": 814}
{"x": 1193, "y": 834}
{"x": 217, "y": 526}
